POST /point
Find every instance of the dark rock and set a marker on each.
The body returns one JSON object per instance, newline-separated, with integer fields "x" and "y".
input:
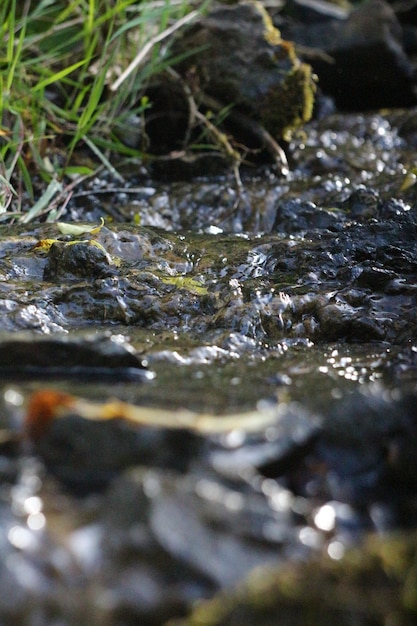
{"x": 367, "y": 443}
{"x": 272, "y": 452}
{"x": 187, "y": 166}
{"x": 352, "y": 587}
{"x": 339, "y": 320}
{"x": 197, "y": 520}
{"x": 167, "y": 119}
{"x": 86, "y": 355}
{"x": 264, "y": 80}
{"x": 237, "y": 98}
{"x": 72, "y": 261}
{"x": 314, "y": 11}
{"x": 360, "y": 60}
{"x": 362, "y": 203}
{"x": 86, "y": 456}
{"x": 297, "y": 216}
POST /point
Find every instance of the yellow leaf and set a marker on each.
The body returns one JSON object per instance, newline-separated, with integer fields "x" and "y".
{"x": 44, "y": 245}
{"x": 114, "y": 260}
{"x": 79, "y": 229}
{"x": 98, "y": 245}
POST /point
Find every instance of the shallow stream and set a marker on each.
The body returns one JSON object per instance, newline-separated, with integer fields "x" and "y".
{"x": 295, "y": 296}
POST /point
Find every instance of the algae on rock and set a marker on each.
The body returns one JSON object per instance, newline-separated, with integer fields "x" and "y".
{"x": 235, "y": 60}
{"x": 369, "y": 585}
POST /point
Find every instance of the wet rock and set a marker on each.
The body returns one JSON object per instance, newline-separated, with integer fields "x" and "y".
{"x": 363, "y": 587}
{"x": 368, "y": 440}
{"x": 228, "y": 308}
{"x": 314, "y": 11}
{"x": 362, "y": 203}
{"x": 86, "y": 355}
{"x": 146, "y": 583}
{"x": 342, "y": 321}
{"x": 403, "y": 365}
{"x": 227, "y": 540}
{"x": 187, "y": 536}
{"x": 77, "y": 260}
{"x": 345, "y": 272}
{"x": 156, "y": 541}
{"x": 297, "y": 216}
{"x": 86, "y": 456}
{"x": 265, "y": 80}
{"x": 359, "y": 455}
{"x": 363, "y": 271}
{"x": 271, "y": 452}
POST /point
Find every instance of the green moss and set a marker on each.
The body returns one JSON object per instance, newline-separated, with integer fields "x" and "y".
{"x": 288, "y": 108}
{"x": 376, "y": 582}
{"x": 192, "y": 285}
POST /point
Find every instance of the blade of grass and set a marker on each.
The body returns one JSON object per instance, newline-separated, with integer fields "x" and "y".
{"x": 58, "y": 75}
{"x": 26, "y": 177}
{"x": 38, "y": 208}
{"x": 57, "y": 58}
{"x": 14, "y": 59}
{"x": 103, "y": 159}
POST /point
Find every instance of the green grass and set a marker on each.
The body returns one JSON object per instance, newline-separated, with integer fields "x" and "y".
{"x": 71, "y": 72}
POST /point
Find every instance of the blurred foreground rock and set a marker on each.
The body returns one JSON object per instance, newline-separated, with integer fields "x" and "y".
{"x": 89, "y": 355}
{"x": 367, "y": 586}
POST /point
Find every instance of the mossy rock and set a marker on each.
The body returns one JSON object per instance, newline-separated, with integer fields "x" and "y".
{"x": 236, "y": 57}
{"x": 373, "y": 584}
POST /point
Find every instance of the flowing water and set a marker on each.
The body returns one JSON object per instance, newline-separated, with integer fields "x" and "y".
{"x": 295, "y": 295}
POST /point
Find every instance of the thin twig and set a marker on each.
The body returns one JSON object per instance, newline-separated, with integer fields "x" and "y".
{"x": 192, "y": 106}
{"x": 254, "y": 127}
{"x": 127, "y": 190}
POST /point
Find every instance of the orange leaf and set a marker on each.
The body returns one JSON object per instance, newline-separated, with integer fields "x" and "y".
{"x": 43, "y": 407}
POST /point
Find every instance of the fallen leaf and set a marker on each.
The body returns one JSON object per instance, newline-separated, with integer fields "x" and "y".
{"x": 44, "y": 245}
{"x": 80, "y": 229}
{"x": 42, "y": 408}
